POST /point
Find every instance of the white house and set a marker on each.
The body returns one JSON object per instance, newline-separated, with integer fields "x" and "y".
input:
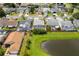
{"x": 52, "y": 22}
{"x": 38, "y": 24}
{"x": 76, "y": 23}
{"x": 45, "y": 10}
{"x": 67, "y": 26}
{"x": 53, "y": 10}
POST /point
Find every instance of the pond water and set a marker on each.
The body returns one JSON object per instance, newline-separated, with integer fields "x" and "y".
{"x": 61, "y": 47}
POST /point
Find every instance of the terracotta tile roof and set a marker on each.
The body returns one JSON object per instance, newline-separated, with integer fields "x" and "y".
{"x": 15, "y": 37}
{"x": 10, "y": 37}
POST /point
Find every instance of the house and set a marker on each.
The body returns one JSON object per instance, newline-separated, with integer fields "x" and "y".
{"x": 61, "y": 7}
{"x": 8, "y": 23}
{"x": 3, "y": 23}
{"x": 9, "y": 10}
{"x": 27, "y": 10}
{"x": 76, "y": 23}
{"x": 12, "y": 23}
{"x": 46, "y": 10}
{"x": 38, "y": 24}
{"x": 12, "y": 16}
{"x": 24, "y": 26}
{"x": 67, "y": 26}
{"x": 53, "y": 10}
{"x": 53, "y": 23}
{"x": 13, "y": 43}
{"x": 20, "y": 10}
{"x": 30, "y": 18}
{"x": 24, "y": 5}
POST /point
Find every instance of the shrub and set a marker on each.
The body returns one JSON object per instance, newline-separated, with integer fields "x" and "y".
{"x": 60, "y": 14}
{"x": 76, "y": 10}
{"x": 48, "y": 28}
{"x": 28, "y": 47}
{"x": 10, "y": 5}
{"x": 2, "y": 51}
{"x": 2, "y": 13}
{"x": 76, "y": 15}
{"x": 71, "y": 18}
{"x": 70, "y": 11}
{"x": 39, "y": 31}
{"x": 28, "y": 43}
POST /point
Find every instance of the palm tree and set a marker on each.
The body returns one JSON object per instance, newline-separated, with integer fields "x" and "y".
{"x": 2, "y": 13}
{"x": 51, "y": 5}
{"x": 72, "y": 19}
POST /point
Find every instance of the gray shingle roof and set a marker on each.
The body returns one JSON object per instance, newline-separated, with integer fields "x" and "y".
{"x": 67, "y": 25}
{"x": 52, "y": 22}
{"x": 38, "y": 22}
{"x": 76, "y": 23}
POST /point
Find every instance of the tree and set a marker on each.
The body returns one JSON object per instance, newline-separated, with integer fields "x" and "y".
{"x": 36, "y": 6}
{"x": 2, "y": 51}
{"x": 70, "y": 8}
{"x": 69, "y": 5}
{"x": 48, "y": 28}
{"x": 76, "y": 10}
{"x": 10, "y": 5}
{"x": 39, "y": 31}
{"x": 71, "y": 19}
{"x": 2, "y": 13}
{"x": 51, "y": 5}
{"x": 70, "y": 11}
{"x": 32, "y": 9}
{"x": 59, "y": 13}
{"x": 19, "y": 4}
{"x": 75, "y": 4}
{"x": 76, "y": 15}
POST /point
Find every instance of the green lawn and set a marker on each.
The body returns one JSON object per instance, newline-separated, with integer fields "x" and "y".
{"x": 6, "y": 28}
{"x": 14, "y": 14}
{"x": 24, "y": 50}
{"x": 35, "y": 47}
{"x": 20, "y": 19}
{"x": 49, "y": 14}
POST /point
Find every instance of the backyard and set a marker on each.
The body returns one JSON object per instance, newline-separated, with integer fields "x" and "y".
{"x": 24, "y": 50}
{"x": 35, "y": 47}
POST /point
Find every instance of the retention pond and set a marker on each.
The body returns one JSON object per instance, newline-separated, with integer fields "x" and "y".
{"x": 61, "y": 47}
